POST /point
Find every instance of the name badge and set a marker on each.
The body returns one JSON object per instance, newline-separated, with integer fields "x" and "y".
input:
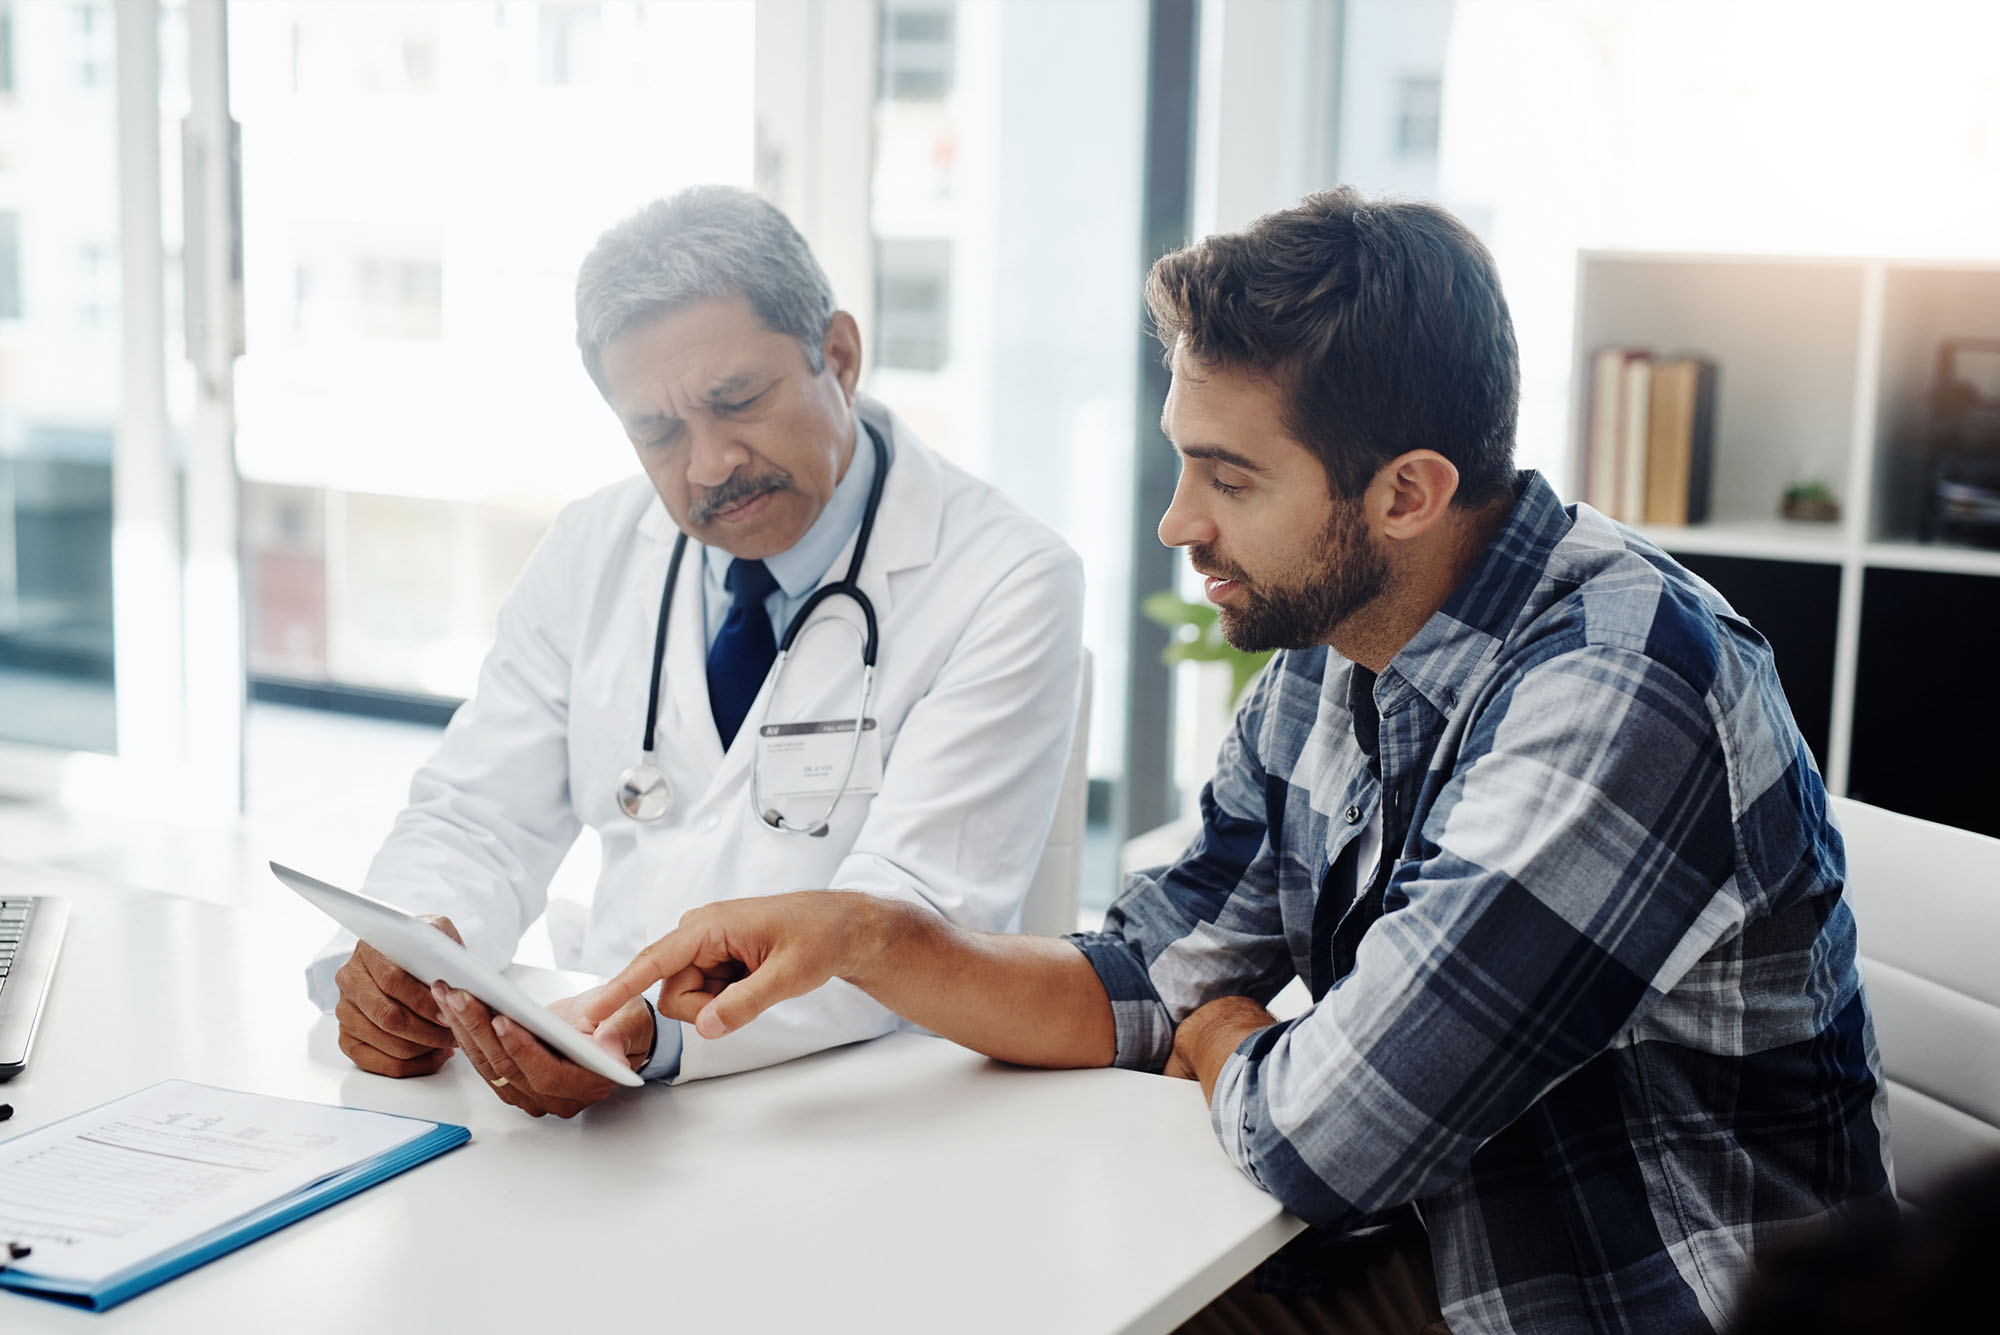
{"x": 808, "y": 759}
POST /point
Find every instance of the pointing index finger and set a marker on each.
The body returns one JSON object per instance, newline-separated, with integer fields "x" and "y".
{"x": 655, "y": 963}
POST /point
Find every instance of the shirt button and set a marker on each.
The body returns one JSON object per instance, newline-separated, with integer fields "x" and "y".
{"x": 1353, "y": 815}
{"x": 709, "y": 824}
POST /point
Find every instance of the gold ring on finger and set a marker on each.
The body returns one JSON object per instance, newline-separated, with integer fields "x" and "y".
{"x": 501, "y": 1081}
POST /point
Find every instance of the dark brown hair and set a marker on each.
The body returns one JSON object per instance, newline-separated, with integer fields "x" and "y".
{"x": 1382, "y": 323}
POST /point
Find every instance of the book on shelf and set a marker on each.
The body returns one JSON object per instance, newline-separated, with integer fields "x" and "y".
{"x": 1603, "y": 488}
{"x": 1636, "y": 406}
{"x": 1649, "y": 450}
{"x": 1680, "y": 441}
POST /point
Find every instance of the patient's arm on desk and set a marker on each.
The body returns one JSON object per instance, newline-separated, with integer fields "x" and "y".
{"x": 1035, "y": 1001}
{"x": 389, "y": 1022}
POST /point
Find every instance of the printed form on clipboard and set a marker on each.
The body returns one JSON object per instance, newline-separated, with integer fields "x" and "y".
{"x": 126, "y": 1196}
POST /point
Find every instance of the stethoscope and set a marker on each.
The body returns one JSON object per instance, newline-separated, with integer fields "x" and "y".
{"x": 644, "y": 791}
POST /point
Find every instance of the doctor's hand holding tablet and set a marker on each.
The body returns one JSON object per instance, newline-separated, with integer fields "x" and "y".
{"x": 390, "y": 1023}
{"x": 393, "y": 1024}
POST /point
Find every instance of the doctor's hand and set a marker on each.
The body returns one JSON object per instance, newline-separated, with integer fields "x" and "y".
{"x": 522, "y": 1071}
{"x": 728, "y": 963}
{"x": 389, "y": 1022}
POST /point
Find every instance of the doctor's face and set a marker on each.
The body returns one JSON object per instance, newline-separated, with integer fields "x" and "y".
{"x": 1286, "y": 560}
{"x": 743, "y": 440}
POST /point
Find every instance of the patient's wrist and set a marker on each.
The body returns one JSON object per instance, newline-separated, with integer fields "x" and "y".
{"x": 880, "y": 934}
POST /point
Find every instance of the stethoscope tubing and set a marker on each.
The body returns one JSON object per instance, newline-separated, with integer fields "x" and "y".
{"x": 847, "y": 586}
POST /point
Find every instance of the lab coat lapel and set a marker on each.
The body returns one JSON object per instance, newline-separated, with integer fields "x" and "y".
{"x": 908, "y": 530}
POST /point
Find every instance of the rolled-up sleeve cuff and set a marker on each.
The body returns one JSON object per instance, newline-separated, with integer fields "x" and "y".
{"x": 666, "y": 1060}
{"x": 1145, "y": 1033}
{"x": 320, "y": 984}
{"x": 1226, "y": 1111}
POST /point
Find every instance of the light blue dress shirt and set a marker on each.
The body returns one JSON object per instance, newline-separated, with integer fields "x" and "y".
{"x": 798, "y": 570}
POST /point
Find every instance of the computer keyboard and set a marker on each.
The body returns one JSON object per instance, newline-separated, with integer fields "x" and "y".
{"x": 31, "y": 933}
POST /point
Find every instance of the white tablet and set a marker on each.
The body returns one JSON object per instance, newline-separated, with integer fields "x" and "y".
{"x": 431, "y": 955}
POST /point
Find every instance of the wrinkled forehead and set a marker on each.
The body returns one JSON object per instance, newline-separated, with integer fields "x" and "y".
{"x": 711, "y": 353}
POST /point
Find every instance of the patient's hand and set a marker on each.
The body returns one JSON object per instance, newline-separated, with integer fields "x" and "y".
{"x": 389, "y": 1022}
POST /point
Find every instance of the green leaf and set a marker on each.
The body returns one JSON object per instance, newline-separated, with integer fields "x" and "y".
{"x": 1197, "y": 637}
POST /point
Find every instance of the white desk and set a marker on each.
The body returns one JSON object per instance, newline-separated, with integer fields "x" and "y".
{"x": 901, "y": 1185}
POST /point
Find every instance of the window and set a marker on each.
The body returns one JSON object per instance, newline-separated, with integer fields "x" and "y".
{"x": 912, "y": 303}
{"x": 917, "y": 51}
{"x": 399, "y": 297}
{"x": 97, "y": 286}
{"x": 397, "y": 469}
{"x": 568, "y": 43}
{"x": 1419, "y": 108}
{"x": 6, "y": 48}
{"x": 94, "y": 42}
{"x": 10, "y": 266}
{"x": 1007, "y": 232}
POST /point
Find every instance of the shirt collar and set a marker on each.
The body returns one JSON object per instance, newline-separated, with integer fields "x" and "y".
{"x": 800, "y": 567}
{"x": 1475, "y": 620}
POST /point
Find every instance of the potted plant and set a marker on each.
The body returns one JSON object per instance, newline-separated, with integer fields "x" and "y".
{"x": 1196, "y": 637}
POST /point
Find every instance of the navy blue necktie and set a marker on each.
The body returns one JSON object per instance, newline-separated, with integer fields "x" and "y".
{"x": 744, "y": 649}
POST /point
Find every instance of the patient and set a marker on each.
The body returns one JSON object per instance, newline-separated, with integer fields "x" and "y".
{"x": 1519, "y": 798}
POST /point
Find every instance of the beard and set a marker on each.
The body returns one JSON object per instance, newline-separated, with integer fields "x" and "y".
{"x": 1340, "y": 573}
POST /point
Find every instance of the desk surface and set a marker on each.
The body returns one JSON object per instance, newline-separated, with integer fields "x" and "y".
{"x": 900, "y": 1185}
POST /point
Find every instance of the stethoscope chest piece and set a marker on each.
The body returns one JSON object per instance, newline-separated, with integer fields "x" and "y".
{"x": 644, "y": 793}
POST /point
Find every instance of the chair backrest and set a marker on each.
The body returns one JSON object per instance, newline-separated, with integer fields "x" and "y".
{"x": 1926, "y": 900}
{"x": 1051, "y": 906}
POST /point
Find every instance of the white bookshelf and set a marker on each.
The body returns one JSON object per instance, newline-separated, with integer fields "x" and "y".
{"x": 1824, "y": 371}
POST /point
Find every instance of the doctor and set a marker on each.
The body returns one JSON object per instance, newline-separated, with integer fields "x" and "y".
{"x": 636, "y": 684}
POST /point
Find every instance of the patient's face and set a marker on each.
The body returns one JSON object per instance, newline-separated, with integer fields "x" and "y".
{"x": 743, "y": 440}
{"x": 1286, "y": 560}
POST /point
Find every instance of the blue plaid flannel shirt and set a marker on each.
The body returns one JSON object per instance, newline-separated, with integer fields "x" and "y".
{"x": 1597, "y": 1015}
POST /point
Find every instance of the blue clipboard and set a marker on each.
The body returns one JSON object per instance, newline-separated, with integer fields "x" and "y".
{"x": 106, "y": 1293}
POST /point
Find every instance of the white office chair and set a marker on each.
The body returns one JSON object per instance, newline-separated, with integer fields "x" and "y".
{"x": 1926, "y": 898}
{"x": 1051, "y": 906}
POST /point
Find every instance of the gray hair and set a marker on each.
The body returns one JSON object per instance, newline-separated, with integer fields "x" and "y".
{"x": 707, "y": 241}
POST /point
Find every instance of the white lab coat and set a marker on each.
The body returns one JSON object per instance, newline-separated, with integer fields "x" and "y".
{"x": 981, "y": 611}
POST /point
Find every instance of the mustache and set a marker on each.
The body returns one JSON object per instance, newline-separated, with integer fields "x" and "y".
{"x": 1207, "y": 561}
{"x": 735, "y": 491}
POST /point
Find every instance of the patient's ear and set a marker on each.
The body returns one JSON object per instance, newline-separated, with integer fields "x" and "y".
{"x": 1410, "y": 494}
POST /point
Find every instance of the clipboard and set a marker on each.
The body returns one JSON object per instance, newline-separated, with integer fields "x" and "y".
{"x": 40, "y": 1195}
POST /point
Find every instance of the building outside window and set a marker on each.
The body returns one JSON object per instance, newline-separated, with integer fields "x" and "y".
{"x": 569, "y": 43}
{"x": 1005, "y": 205}
{"x": 94, "y": 40}
{"x": 420, "y": 183}
{"x": 916, "y": 53}
{"x": 912, "y": 303}
{"x": 400, "y": 297}
{"x": 1419, "y": 114}
{"x": 10, "y": 265}
{"x": 6, "y": 48}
